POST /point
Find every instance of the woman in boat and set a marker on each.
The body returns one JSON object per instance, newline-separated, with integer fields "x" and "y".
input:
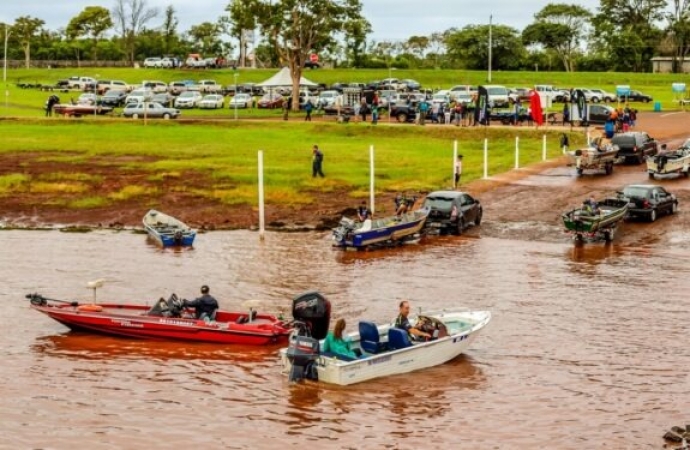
{"x": 337, "y": 343}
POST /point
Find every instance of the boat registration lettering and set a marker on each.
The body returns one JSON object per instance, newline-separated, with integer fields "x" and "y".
{"x": 379, "y": 360}
{"x": 405, "y": 361}
{"x": 127, "y": 323}
{"x": 184, "y": 323}
{"x": 460, "y": 338}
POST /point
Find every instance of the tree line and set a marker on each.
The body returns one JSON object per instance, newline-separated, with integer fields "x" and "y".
{"x": 620, "y": 35}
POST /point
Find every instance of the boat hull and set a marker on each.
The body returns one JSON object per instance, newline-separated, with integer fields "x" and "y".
{"x": 578, "y": 221}
{"x": 167, "y": 231}
{"x": 419, "y": 356}
{"x": 133, "y": 322}
{"x": 383, "y": 231}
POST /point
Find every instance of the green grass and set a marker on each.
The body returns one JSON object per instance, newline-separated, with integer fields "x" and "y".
{"x": 222, "y": 157}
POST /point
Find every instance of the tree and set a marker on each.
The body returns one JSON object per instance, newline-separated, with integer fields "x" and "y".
{"x": 26, "y": 28}
{"x": 626, "y": 32}
{"x": 242, "y": 18}
{"x": 169, "y": 29}
{"x": 130, "y": 17}
{"x": 92, "y": 21}
{"x": 470, "y": 47}
{"x": 559, "y": 27}
{"x": 417, "y": 45}
{"x": 206, "y": 38}
{"x": 679, "y": 32}
{"x": 297, "y": 28}
{"x": 355, "y": 34}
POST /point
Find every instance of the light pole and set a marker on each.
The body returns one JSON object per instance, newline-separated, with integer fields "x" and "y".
{"x": 235, "y": 97}
{"x": 490, "y": 45}
{"x": 4, "y": 69}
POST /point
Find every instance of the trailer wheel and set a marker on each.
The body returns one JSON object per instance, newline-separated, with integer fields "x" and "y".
{"x": 579, "y": 171}
{"x": 609, "y": 168}
{"x": 651, "y": 175}
{"x": 686, "y": 173}
{"x": 608, "y": 235}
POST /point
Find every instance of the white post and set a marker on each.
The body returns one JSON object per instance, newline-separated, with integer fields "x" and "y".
{"x": 455, "y": 159}
{"x": 589, "y": 139}
{"x": 517, "y": 152}
{"x": 236, "y": 74}
{"x": 490, "y": 45}
{"x": 261, "y": 196}
{"x": 4, "y": 68}
{"x": 371, "y": 179}
{"x": 486, "y": 158}
{"x": 543, "y": 148}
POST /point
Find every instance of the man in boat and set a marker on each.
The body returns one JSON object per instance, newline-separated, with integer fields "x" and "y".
{"x": 591, "y": 206}
{"x": 205, "y": 306}
{"x": 403, "y": 323}
{"x": 363, "y": 213}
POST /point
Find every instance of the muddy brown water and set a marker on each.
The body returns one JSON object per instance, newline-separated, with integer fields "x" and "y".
{"x": 588, "y": 347}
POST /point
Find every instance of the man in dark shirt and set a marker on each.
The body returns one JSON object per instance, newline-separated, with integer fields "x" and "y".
{"x": 403, "y": 322}
{"x": 205, "y": 305}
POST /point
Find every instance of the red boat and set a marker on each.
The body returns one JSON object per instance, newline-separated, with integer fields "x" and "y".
{"x": 166, "y": 320}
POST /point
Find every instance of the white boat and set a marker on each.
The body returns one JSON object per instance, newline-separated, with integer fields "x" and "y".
{"x": 676, "y": 161}
{"x": 458, "y": 330}
{"x": 166, "y": 230}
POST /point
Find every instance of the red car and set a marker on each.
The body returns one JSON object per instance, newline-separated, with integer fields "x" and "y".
{"x": 271, "y": 101}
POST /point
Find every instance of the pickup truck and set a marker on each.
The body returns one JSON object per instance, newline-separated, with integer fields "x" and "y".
{"x": 209, "y": 86}
{"x": 83, "y": 83}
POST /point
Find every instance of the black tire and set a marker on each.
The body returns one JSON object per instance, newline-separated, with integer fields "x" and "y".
{"x": 459, "y": 227}
{"x": 674, "y": 208}
{"x": 685, "y": 174}
{"x": 652, "y": 215}
{"x": 646, "y": 100}
{"x": 595, "y": 99}
{"x": 609, "y": 168}
{"x": 579, "y": 171}
{"x": 651, "y": 176}
{"x": 478, "y": 219}
{"x": 608, "y": 235}
{"x": 401, "y": 117}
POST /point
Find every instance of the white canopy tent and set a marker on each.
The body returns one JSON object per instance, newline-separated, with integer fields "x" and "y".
{"x": 283, "y": 79}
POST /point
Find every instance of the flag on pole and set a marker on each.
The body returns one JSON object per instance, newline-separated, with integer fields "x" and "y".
{"x": 535, "y": 106}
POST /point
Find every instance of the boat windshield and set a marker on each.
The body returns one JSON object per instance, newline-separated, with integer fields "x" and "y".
{"x": 635, "y": 191}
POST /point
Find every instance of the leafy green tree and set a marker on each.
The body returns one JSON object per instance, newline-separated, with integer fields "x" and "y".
{"x": 26, "y": 28}
{"x": 241, "y": 19}
{"x": 298, "y": 27}
{"x": 206, "y": 38}
{"x": 93, "y": 21}
{"x": 355, "y": 35}
{"x": 169, "y": 30}
{"x": 131, "y": 16}
{"x": 470, "y": 47}
{"x": 679, "y": 32}
{"x": 560, "y": 27}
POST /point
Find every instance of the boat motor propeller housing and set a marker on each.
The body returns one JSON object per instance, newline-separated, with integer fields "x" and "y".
{"x": 312, "y": 314}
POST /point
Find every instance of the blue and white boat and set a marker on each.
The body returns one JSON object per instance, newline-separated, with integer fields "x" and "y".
{"x": 168, "y": 231}
{"x": 386, "y": 231}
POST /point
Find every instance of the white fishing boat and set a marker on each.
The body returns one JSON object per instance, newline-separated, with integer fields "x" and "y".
{"x": 385, "y": 350}
{"x": 166, "y": 230}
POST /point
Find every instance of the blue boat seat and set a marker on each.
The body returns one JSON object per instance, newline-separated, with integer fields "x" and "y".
{"x": 369, "y": 338}
{"x": 398, "y": 338}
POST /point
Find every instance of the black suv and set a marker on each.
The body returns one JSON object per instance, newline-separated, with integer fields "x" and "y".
{"x": 452, "y": 211}
{"x": 635, "y": 146}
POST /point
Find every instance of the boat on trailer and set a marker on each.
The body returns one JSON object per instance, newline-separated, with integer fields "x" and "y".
{"x": 166, "y": 230}
{"x": 385, "y": 350}
{"x": 391, "y": 230}
{"x": 582, "y": 223}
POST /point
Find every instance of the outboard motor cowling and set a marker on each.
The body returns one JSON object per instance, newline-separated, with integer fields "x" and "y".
{"x": 312, "y": 314}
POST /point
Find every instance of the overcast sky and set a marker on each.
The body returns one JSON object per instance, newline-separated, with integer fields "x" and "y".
{"x": 390, "y": 19}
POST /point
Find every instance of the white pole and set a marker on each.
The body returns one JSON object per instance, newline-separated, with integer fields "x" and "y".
{"x": 261, "y": 196}
{"x": 517, "y": 152}
{"x": 236, "y": 95}
{"x": 455, "y": 159}
{"x": 490, "y": 45}
{"x": 4, "y": 68}
{"x": 543, "y": 148}
{"x": 589, "y": 139}
{"x": 486, "y": 158}
{"x": 371, "y": 179}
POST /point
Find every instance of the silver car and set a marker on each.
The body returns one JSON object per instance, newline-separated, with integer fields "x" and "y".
{"x": 149, "y": 110}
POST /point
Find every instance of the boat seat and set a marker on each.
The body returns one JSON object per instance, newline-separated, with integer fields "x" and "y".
{"x": 369, "y": 338}
{"x": 398, "y": 338}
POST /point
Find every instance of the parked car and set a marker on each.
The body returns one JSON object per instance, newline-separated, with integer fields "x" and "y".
{"x": 637, "y": 96}
{"x": 153, "y": 62}
{"x": 250, "y": 88}
{"x": 464, "y": 90}
{"x": 391, "y": 83}
{"x": 410, "y": 84}
{"x": 521, "y": 94}
{"x": 635, "y": 146}
{"x": 598, "y": 95}
{"x": 114, "y": 98}
{"x": 188, "y": 99}
{"x": 241, "y": 100}
{"x": 209, "y": 86}
{"x": 156, "y": 86}
{"x": 649, "y": 201}
{"x": 164, "y": 99}
{"x": 326, "y": 98}
{"x": 452, "y": 211}
{"x": 83, "y": 83}
{"x": 598, "y": 114}
{"x": 88, "y": 98}
{"x": 139, "y": 95}
{"x": 178, "y": 87}
{"x": 149, "y": 110}
{"x": 271, "y": 101}
{"x": 212, "y": 101}
{"x": 104, "y": 86}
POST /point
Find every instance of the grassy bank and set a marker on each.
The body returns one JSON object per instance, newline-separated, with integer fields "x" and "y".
{"x": 218, "y": 160}
{"x": 21, "y": 102}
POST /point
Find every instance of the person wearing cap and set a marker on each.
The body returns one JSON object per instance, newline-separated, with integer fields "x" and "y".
{"x": 205, "y": 306}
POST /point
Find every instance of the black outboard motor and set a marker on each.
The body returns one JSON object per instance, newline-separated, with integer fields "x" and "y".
{"x": 312, "y": 314}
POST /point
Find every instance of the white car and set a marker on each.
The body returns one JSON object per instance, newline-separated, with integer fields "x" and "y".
{"x": 212, "y": 101}
{"x": 441, "y": 97}
{"x": 149, "y": 110}
{"x": 188, "y": 99}
{"x": 139, "y": 95}
{"x": 326, "y": 98}
{"x": 158, "y": 87}
{"x": 153, "y": 62}
{"x": 241, "y": 101}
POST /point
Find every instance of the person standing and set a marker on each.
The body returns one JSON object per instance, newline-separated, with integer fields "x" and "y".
{"x": 423, "y": 109}
{"x": 458, "y": 170}
{"x": 308, "y": 107}
{"x": 374, "y": 113}
{"x": 52, "y": 101}
{"x": 317, "y": 162}
{"x": 286, "y": 109}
